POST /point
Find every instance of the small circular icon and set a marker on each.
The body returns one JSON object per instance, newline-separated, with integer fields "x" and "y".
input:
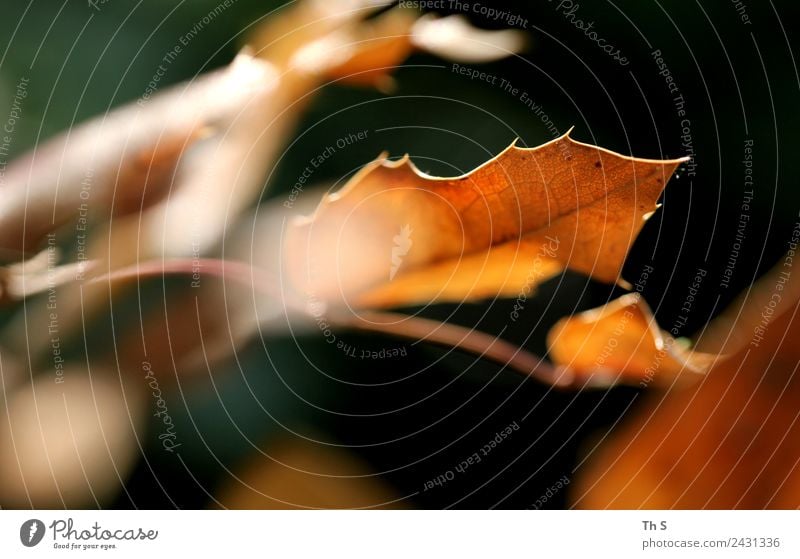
{"x": 31, "y": 532}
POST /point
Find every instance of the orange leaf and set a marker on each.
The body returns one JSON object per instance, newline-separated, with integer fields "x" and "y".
{"x": 621, "y": 341}
{"x": 394, "y": 235}
{"x": 729, "y": 441}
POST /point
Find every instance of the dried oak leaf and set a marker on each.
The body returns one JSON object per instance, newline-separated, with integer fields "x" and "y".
{"x": 731, "y": 440}
{"x": 396, "y": 236}
{"x": 621, "y": 342}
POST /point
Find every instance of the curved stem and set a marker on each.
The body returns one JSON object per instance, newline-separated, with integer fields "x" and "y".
{"x": 238, "y": 271}
{"x": 466, "y": 339}
{"x": 450, "y": 335}
{"x": 212, "y": 266}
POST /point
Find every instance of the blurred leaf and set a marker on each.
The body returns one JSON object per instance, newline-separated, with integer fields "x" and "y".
{"x": 69, "y": 439}
{"x": 730, "y": 441}
{"x": 303, "y": 474}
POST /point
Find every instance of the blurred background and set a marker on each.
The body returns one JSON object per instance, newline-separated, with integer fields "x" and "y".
{"x": 295, "y": 418}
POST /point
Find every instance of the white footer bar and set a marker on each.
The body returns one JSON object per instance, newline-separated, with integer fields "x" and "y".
{"x": 401, "y": 534}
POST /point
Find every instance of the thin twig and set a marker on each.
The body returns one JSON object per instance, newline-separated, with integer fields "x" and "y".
{"x": 465, "y": 339}
{"x": 231, "y": 269}
{"x": 449, "y": 335}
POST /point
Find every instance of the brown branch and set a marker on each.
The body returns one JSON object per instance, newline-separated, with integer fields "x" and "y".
{"x": 449, "y": 335}
{"x": 466, "y": 339}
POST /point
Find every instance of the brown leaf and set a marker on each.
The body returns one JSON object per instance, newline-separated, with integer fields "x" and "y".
{"x": 621, "y": 342}
{"x": 731, "y": 440}
{"x": 364, "y": 55}
{"x": 128, "y": 155}
{"x": 394, "y": 235}
{"x": 234, "y": 121}
{"x": 146, "y": 177}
